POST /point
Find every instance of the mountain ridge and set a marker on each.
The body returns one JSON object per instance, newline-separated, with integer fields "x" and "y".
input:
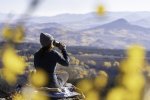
{"x": 114, "y": 33}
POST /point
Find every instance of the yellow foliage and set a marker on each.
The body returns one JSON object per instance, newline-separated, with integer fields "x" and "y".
{"x": 9, "y": 76}
{"x": 116, "y": 63}
{"x": 13, "y": 65}
{"x": 107, "y": 64}
{"x": 117, "y": 93}
{"x": 12, "y": 61}
{"x": 102, "y": 73}
{"x": 85, "y": 73}
{"x": 136, "y": 53}
{"x": 7, "y": 33}
{"x": 85, "y": 85}
{"x": 135, "y": 60}
{"x": 18, "y": 97}
{"x": 39, "y": 78}
{"x": 101, "y": 10}
{"x": 15, "y": 34}
{"x": 40, "y": 96}
{"x": 133, "y": 82}
{"x": 130, "y": 67}
{"x": 132, "y": 78}
{"x": 92, "y": 62}
{"x": 92, "y": 95}
{"x": 101, "y": 80}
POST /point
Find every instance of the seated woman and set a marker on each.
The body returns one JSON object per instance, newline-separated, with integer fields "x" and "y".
{"x": 47, "y": 58}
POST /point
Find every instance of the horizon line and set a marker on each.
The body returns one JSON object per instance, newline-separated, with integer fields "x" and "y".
{"x": 18, "y": 14}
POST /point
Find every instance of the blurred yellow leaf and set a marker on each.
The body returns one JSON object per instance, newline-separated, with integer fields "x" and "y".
{"x": 136, "y": 52}
{"x": 101, "y": 10}
{"x": 135, "y": 60}
{"x": 136, "y": 55}
{"x": 15, "y": 34}
{"x": 39, "y": 79}
{"x": 40, "y": 96}
{"x": 117, "y": 93}
{"x": 101, "y": 80}
{"x": 19, "y": 35}
{"x": 8, "y": 33}
{"x": 102, "y": 73}
{"x": 133, "y": 82}
{"x": 107, "y": 64}
{"x": 85, "y": 85}
{"x": 130, "y": 67}
{"x": 132, "y": 77}
{"x": 18, "y": 97}
{"x": 9, "y": 76}
{"x": 92, "y": 95}
{"x": 12, "y": 61}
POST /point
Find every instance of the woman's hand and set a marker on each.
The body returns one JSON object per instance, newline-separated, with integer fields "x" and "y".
{"x": 62, "y": 46}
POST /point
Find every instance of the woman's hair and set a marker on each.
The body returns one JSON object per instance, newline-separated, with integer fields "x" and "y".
{"x": 45, "y": 49}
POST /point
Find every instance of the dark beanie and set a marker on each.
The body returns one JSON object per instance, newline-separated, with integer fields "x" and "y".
{"x": 46, "y": 39}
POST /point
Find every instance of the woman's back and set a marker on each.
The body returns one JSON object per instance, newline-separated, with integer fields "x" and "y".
{"x": 47, "y": 58}
{"x": 47, "y": 61}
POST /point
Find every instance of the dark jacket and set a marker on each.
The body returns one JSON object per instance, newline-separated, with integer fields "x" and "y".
{"x": 47, "y": 61}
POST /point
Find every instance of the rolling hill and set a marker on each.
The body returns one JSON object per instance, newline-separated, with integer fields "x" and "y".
{"x": 116, "y": 34}
{"x": 113, "y": 30}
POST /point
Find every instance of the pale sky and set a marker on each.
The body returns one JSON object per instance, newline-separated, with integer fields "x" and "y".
{"x": 54, "y": 7}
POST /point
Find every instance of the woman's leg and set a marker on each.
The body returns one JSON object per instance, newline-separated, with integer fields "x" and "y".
{"x": 62, "y": 78}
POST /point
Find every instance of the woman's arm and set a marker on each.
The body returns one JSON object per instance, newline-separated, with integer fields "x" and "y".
{"x": 65, "y": 59}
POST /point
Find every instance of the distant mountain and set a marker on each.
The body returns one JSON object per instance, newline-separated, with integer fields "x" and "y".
{"x": 83, "y": 21}
{"x": 116, "y": 34}
{"x": 113, "y": 30}
{"x": 121, "y": 24}
{"x": 145, "y": 22}
{"x": 117, "y": 24}
{"x": 55, "y": 29}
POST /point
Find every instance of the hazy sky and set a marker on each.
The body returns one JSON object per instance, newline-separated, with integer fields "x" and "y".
{"x": 53, "y": 7}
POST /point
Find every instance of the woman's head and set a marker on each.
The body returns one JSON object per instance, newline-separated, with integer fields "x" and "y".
{"x": 46, "y": 40}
